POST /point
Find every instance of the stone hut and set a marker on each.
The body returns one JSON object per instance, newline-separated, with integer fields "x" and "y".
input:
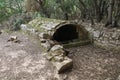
{"x": 54, "y": 35}
{"x": 60, "y": 30}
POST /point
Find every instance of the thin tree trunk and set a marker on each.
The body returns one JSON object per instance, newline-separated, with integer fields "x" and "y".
{"x": 110, "y": 10}
{"x": 116, "y": 14}
{"x": 97, "y": 7}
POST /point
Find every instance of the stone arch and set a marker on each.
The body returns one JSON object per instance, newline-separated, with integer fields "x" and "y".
{"x": 61, "y": 31}
{"x": 65, "y": 33}
{"x": 69, "y": 31}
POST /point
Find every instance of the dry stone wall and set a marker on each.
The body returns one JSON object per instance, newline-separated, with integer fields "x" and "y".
{"x": 108, "y": 38}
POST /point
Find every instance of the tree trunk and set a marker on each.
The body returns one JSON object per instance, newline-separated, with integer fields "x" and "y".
{"x": 98, "y": 9}
{"x": 116, "y": 14}
{"x": 110, "y": 10}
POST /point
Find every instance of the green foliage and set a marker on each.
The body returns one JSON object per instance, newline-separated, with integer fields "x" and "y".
{"x": 9, "y": 7}
{"x": 61, "y": 9}
{"x": 2, "y": 9}
{"x": 58, "y": 8}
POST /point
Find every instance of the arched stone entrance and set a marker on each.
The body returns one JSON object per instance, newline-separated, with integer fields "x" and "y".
{"x": 66, "y": 33}
{"x": 60, "y": 31}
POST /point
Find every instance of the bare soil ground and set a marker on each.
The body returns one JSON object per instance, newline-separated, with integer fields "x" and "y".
{"x": 92, "y": 63}
{"x": 24, "y": 61}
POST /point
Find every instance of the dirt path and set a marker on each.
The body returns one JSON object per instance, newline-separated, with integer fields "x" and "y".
{"x": 24, "y": 61}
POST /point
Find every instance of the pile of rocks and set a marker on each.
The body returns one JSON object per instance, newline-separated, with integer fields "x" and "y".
{"x": 55, "y": 53}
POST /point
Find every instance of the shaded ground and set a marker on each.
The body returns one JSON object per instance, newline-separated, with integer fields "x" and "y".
{"x": 91, "y": 63}
{"x": 24, "y": 61}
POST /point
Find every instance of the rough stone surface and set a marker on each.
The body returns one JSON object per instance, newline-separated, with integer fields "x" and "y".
{"x": 96, "y": 34}
{"x": 58, "y": 52}
{"x": 46, "y": 45}
{"x": 59, "y": 58}
{"x": 107, "y": 38}
{"x": 49, "y": 26}
{"x": 64, "y": 65}
{"x": 43, "y": 40}
{"x": 48, "y": 56}
{"x": 61, "y": 77}
{"x": 56, "y": 47}
{"x": 44, "y": 36}
{"x": 12, "y": 38}
{"x": 23, "y": 27}
{"x": 32, "y": 30}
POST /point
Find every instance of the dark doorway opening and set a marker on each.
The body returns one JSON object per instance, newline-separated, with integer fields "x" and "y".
{"x": 66, "y": 33}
